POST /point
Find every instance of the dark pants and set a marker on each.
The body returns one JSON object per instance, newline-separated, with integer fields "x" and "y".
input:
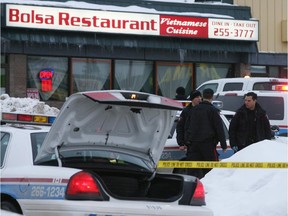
{"x": 201, "y": 151}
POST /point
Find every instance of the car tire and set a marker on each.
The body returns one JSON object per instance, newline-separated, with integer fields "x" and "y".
{"x": 10, "y": 206}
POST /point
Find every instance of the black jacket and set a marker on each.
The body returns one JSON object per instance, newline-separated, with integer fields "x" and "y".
{"x": 240, "y": 129}
{"x": 181, "y": 125}
{"x": 205, "y": 125}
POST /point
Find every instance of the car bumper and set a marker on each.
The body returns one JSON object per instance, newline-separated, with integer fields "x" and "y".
{"x": 121, "y": 208}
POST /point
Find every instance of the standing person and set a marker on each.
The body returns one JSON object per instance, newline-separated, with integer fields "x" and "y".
{"x": 204, "y": 132}
{"x": 250, "y": 124}
{"x": 180, "y": 93}
{"x": 195, "y": 97}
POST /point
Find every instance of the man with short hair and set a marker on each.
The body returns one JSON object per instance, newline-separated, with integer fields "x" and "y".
{"x": 249, "y": 125}
{"x": 203, "y": 134}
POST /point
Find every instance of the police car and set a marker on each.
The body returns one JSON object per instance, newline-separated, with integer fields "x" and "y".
{"x": 245, "y": 84}
{"x": 98, "y": 158}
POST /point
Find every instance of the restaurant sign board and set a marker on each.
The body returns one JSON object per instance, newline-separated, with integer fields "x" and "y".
{"x": 71, "y": 19}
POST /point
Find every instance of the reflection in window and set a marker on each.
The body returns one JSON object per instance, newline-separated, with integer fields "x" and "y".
{"x": 171, "y": 76}
{"x": 5, "y": 137}
{"x": 49, "y": 75}
{"x": 36, "y": 142}
{"x": 258, "y": 71}
{"x": 90, "y": 74}
{"x": 205, "y": 72}
{"x": 133, "y": 75}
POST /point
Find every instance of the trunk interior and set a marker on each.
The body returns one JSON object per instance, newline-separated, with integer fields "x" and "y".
{"x": 137, "y": 184}
{"x": 162, "y": 187}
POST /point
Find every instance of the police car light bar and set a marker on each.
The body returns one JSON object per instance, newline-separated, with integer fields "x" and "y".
{"x": 27, "y": 118}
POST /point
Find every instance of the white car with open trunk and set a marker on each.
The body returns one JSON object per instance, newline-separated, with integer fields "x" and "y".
{"x": 99, "y": 158}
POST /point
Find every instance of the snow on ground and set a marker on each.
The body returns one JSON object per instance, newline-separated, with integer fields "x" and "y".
{"x": 250, "y": 192}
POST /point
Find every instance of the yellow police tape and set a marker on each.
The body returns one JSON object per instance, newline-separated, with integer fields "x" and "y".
{"x": 219, "y": 164}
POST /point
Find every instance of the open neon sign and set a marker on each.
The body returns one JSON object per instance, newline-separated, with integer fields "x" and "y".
{"x": 45, "y": 76}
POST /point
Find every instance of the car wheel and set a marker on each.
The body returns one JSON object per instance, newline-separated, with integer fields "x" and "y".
{"x": 9, "y": 206}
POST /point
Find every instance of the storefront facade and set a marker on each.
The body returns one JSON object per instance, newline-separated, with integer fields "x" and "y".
{"x": 52, "y": 51}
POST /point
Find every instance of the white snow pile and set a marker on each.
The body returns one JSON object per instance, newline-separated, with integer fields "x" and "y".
{"x": 26, "y": 105}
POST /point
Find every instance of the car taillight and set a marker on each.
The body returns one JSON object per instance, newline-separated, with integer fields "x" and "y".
{"x": 198, "y": 197}
{"x": 83, "y": 186}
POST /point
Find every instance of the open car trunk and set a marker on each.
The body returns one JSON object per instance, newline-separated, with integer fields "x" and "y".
{"x": 136, "y": 184}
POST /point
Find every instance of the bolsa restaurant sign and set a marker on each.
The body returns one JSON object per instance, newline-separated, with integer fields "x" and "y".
{"x": 69, "y": 19}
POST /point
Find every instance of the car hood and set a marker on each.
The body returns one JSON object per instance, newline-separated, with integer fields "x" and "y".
{"x": 133, "y": 122}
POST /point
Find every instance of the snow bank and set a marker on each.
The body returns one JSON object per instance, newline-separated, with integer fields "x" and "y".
{"x": 26, "y": 105}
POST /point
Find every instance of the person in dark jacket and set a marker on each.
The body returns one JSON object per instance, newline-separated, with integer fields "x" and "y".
{"x": 196, "y": 98}
{"x": 249, "y": 125}
{"x": 204, "y": 132}
{"x": 180, "y": 93}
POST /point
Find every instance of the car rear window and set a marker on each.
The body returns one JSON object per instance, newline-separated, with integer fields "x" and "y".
{"x": 267, "y": 86}
{"x": 275, "y": 112}
{"x": 233, "y": 86}
{"x": 36, "y": 142}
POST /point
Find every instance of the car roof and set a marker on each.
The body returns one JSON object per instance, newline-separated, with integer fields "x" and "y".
{"x": 12, "y": 127}
{"x": 241, "y": 79}
{"x": 258, "y": 92}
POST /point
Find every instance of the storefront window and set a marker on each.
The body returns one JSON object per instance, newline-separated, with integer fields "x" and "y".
{"x": 48, "y": 75}
{"x": 283, "y": 72}
{"x": 172, "y": 75}
{"x": 90, "y": 74}
{"x": 258, "y": 71}
{"x": 205, "y": 72}
{"x": 3, "y": 75}
{"x": 133, "y": 75}
{"x": 276, "y": 71}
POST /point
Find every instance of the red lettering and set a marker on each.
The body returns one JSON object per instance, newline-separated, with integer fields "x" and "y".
{"x": 44, "y": 75}
{"x": 75, "y": 21}
{"x": 13, "y": 15}
{"x": 63, "y": 19}
{"x": 39, "y": 18}
{"x": 86, "y": 22}
{"x": 32, "y": 17}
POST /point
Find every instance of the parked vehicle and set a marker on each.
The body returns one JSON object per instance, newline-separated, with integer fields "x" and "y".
{"x": 245, "y": 84}
{"x": 274, "y": 102}
{"x": 99, "y": 158}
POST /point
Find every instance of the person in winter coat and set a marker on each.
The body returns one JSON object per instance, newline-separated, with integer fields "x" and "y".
{"x": 180, "y": 93}
{"x": 249, "y": 125}
{"x": 204, "y": 132}
{"x": 196, "y": 98}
